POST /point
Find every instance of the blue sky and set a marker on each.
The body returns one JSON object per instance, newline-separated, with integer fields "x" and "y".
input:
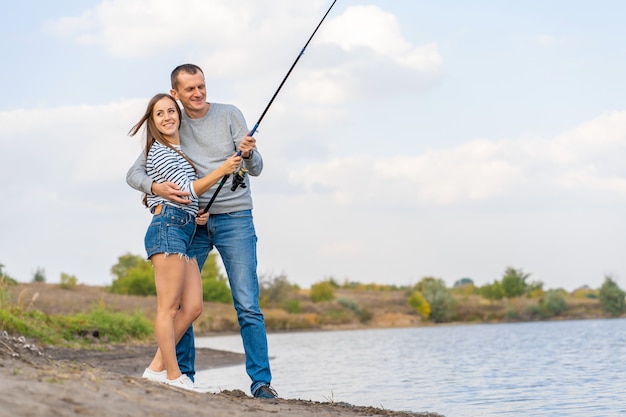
{"x": 413, "y": 138}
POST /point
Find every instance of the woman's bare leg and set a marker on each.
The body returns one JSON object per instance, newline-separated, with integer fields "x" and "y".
{"x": 190, "y": 309}
{"x": 169, "y": 276}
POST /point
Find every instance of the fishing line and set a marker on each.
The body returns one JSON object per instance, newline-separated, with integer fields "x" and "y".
{"x": 238, "y": 179}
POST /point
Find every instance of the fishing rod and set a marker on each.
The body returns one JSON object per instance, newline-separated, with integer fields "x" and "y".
{"x": 239, "y": 177}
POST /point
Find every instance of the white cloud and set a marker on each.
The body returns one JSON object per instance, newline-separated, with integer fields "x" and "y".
{"x": 77, "y": 144}
{"x": 588, "y": 177}
{"x": 130, "y": 28}
{"x": 372, "y": 28}
{"x": 482, "y": 169}
{"x": 358, "y": 54}
{"x": 72, "y": 26}
{"x": 597, "y": 137}
{"x": 378, "y": 60}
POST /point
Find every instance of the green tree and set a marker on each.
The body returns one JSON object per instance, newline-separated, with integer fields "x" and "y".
{"x": 463, "y": 282}
{"x": 275, "y": 291}
{"x": 514, "y": 282}
{"x": 139, "y": 280}
{"x": 492, "y": 292}
{"x": 612, "y": 297}
{"x": 211, "y": 268}
{"x": 134, "y": 275}
{"x": 125, "y": 263}
{"x": 216, "y": 291}
{"x": 440, "y": 298}
{"x": 214, "y": 284}
{"x": 322, "y": 291}
{"x": 39, "y": 275}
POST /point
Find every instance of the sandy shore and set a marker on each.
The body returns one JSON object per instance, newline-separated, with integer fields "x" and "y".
{"x": 50, "y": 381}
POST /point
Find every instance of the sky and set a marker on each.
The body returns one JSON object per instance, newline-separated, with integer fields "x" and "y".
{"x": 413, "y": 138}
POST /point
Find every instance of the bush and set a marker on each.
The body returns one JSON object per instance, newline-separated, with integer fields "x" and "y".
{"x": 214, "y": 284}
{"x": 216, "y": 290}
{"x": 68, "y": 281}
{"x": 419, "y": 303}
{"x": 612, "y": 297}
{"x": 335, "y": 314}
{"x": 322, "y": 291}
{"x": 292, "y": 306}
{"x": 492, "y": 291}
{"x": 137, "y": 280}
{"x": 135, "y": 276}
{"x": 532, "y": 310}
{"x": 363, "y": 314}
{"x": 275, "y": 291}
{"x": 511, "y": 313}
{"x": 441, "y": 301}
{"x": 553, "y": 304}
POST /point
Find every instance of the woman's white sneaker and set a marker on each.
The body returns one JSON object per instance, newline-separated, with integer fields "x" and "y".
{"x": 183, "y": 382}
{"x": 155, "y": 376}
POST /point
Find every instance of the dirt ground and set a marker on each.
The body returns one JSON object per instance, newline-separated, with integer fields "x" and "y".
{"x": 45, "y": 381}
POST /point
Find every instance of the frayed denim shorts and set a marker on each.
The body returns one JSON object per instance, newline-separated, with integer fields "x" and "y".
{"x": 170, "y": 232}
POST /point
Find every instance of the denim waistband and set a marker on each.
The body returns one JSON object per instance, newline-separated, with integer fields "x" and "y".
{"x": 161, "y": 208}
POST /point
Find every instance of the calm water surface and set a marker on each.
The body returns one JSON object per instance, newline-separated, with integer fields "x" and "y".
{"x": 571, "y": 368}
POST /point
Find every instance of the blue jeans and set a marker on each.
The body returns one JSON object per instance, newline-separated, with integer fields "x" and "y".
{"x": 234, "y": 237}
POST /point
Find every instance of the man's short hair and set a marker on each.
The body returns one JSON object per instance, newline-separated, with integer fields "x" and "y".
{"x": 188, "y": 68}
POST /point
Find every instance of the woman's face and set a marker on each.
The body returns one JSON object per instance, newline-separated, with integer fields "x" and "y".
{"x": 165, "y": 115}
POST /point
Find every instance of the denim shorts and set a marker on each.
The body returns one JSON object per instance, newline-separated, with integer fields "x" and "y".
{"x": 170, "y": 231}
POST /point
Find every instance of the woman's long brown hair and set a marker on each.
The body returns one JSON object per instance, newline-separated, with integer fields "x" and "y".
{"x": 153, "y": 134}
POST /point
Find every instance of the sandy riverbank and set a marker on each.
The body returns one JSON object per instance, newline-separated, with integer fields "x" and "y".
{"x": 51, "y": 381}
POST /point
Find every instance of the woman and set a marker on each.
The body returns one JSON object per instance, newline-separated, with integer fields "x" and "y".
{"x": 176, "y": 275}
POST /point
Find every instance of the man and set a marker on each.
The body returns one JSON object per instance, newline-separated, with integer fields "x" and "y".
{"x": 210, "y": 132}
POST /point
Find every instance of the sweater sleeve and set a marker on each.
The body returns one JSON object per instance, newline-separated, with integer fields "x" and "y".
{"x": 239, "y": 130}
{"x": 136, "y": 176}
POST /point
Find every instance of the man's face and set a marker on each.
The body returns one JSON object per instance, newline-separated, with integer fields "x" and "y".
{"x": 191, "y": 91}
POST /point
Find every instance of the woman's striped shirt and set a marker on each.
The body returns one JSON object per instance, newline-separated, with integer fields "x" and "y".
{"x": 164, "y": 164}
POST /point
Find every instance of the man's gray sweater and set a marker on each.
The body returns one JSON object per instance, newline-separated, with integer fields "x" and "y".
{"x": 208, "y": 142}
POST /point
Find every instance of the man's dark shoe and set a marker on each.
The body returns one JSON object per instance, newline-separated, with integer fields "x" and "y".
{"x": 265, "y": 391}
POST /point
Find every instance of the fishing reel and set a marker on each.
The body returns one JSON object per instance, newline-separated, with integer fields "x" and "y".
{"x": 239, "y": 179}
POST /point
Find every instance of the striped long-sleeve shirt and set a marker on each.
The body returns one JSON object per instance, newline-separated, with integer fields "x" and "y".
{"x": 163, "y": 164}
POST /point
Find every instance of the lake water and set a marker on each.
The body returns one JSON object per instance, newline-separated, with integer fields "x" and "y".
{"x": 566, "y": 368}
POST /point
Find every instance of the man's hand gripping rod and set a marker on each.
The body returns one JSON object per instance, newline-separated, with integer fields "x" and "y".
{"x": 239, "y": 177}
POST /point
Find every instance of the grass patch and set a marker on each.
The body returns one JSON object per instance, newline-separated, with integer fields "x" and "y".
{"x": 79, "y": 328}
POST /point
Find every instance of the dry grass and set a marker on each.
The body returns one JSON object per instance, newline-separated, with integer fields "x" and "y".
{"x": 385, "y": 308}
{"x": 388, "y": 308}
{"x": 54, "y": 300}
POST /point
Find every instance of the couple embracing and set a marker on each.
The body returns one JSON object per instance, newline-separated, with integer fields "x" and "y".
{"x": 187, "y": 153}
